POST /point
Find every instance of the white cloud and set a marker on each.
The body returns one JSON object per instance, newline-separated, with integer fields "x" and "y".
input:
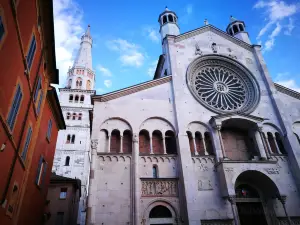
{"x": 108, "y": 83}
{"x": 271, "y": 39}
{"x": 152, "y": 68}
{"x": 276, "y": 11}
{"x": 130, "y": 53}
{"x": 151, "y": 33}
{"x": 68, "y": 30}
{"x": 189, "y": 9}
{"x": 104, "y": 71}
{"x": 290, "y": 27}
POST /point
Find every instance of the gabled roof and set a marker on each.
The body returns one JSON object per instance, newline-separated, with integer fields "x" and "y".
{"x": 130, "y": 90}
{"x": 287, "y": 91}
{"x": 217, "y": 31}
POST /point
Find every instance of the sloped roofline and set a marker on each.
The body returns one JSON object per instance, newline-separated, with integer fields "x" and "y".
{"x": 212, "y": 28}
{"x": 287, "y": 91}
{"x": 130, "y": 90}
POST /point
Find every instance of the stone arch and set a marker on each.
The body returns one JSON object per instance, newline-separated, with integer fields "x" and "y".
{"x": 157, "y": 142}
{"x": 274, "y": 138}
{"x": 263, "y": 183}
{"x": 115, "y": 141}
{"x": 116, "y": 123}
{"x": 103, "y": 141}
{"x": 164, "y": 203}
{"x": 127, "y": 141}
{"x": 156, "y": 123}
{"x": 144, "y": 142}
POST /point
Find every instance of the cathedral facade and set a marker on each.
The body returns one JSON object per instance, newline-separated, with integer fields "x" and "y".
{"x": 210, "y": 140}
{"x": 72, "y": 155}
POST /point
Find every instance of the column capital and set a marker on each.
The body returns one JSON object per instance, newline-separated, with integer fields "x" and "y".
{"x": 135, "y": 138}
{"x": 260, "y": 129}
{"x": 218, "y": 127}
{"x": 231, "y": 198}
{"x": 282, "y": 199}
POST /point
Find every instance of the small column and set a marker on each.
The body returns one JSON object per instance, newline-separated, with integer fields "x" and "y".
{"x": 221, "y": 141}
{"x": 164, "y": 144}
{"x": 232, "y": 200}
{"x": 195, "y": 146}
{"x": 276, "y": 145}
{"x": 109, "y": 139}
{"x": 268, "y": 145}
{"x": 121, "y": 144}
{"x": 151, "y": 147}
{"x": 282, "y": 199}
{"x": 136, "y": 179}
{"x": 204, "y": 145}
{"x": 260, "y": 144}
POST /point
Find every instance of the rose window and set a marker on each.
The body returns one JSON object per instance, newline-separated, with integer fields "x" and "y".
{"x": 223, "y": 86}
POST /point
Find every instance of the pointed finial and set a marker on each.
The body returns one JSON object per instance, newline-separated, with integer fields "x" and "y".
{"x": 205, "y": 22}
{"x": 166, "y": 9}
{"x": 232, "y": 19}
{"x": 88, "y": 30}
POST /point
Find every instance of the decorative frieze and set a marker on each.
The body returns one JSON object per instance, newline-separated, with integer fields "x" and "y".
{"x": 229, "y": 169}
{"x": 159, "y": 187}
{"x": 204, "y": 185}
{"x": 272, "y": 170}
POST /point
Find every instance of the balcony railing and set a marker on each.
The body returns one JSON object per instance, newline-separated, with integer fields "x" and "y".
{"x": 155, "y": 187}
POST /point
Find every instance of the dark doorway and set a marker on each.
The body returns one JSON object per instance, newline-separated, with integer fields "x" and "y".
{"x": 251, "y": 213}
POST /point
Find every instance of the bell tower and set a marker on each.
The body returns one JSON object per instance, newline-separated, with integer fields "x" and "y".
{"x": 236, "y": 28}
{"x": 168, "y": 23}
{"x": 81, "y": 75}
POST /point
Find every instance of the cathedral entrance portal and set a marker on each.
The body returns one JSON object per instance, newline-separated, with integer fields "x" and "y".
{"x": 160, "y": 213}
{"x": 254, "y": 191}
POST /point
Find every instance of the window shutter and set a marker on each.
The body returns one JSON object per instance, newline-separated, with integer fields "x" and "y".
{"x": 49, "y": 129}
{"x": 40, "y": 103}
{"x": 39, "y": 171}
{"x": 44, "y": 173}
{"x": 14, "y": 108}
{"x": 38, "y": 87}
{"x": 31, "y": 52}
{"x": 27, "y": 142}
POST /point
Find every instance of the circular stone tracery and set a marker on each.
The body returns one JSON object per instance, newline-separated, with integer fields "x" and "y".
{"x": 223, "y": 85}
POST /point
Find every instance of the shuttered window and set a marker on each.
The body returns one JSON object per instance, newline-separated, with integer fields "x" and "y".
{"x": 38, "y": 87}
{"x": 2, "y": 30}
{"x": 15, "y": 107}
{"x": 41, "y": 172}
{"x": 39, "y": 103}
{"x": 26, "y": 145}
{"x": 49, "y": 129}
{"x": 31, "y": 52}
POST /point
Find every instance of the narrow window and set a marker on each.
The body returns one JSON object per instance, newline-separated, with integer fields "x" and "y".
{"x": 2, "y": 30}
{"x": 88, "y": 85}
{"x": 49, "y": 129}
{"x": 27, "y": 142}
{"x": 37, "y": 89}
{"x": 280, "y": 143}
{"x": 73, "y": 139}
{"x": 170, "y": 17}
{"x": 67, "y": 161}
{"x": 68, "y": 115}
{"x": 41, "y": 172}
{"x": 15, "y": 107}
{"x": 154, "y": 171}
{"x": 74, "y": 116}
{"x": 39, "y": 103}
{"x": 31, "y": 51}
{"x": 235, "y": 29}
{"x": 71, "y": 98}
{"x": 79, "y": 116}
{"x": 164, "y": 19}
{"x": 63, "y": 193}
{"x": 68, "y": 139}
{"x": 81, "y": 98}
{"x": 76, "y": 98}
{"x": 241, "y": 27}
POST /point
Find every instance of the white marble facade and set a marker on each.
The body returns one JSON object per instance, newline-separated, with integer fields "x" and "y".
{"x": 72, "y": 155}
{"x": 249, "y": 157}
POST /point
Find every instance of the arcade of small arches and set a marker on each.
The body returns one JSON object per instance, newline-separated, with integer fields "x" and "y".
{"x": 76, "y": 99}
{"x": 79, "y": 83}
{"x": 236, "y": 28}
{"x": 73, "y": 116}
{"x": 70, "y": 139}
{"x": 168, "y": 18}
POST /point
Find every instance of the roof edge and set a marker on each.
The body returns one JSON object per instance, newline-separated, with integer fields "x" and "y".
{"x": 287, "y": 91}
{"x": 130, "y": 90}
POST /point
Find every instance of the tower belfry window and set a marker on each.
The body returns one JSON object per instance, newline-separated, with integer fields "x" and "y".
{"x": 164, "y": 19}
{"x": 170, "y": 17}
{"x": 241, "y": 27}
{"x": 235, "y": 29}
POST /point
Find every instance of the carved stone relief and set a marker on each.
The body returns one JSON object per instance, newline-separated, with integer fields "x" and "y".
{"x": 204, "y": 185}
{"x": 198, "y": 50}
{"x": 167, "y": 188}
{"x": 272, "y": 170}
{"x": 94, "y": 144}
{"x": 229, "y": 169}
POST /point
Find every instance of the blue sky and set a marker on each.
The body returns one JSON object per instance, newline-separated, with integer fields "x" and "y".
{"x": 127, "y": 42}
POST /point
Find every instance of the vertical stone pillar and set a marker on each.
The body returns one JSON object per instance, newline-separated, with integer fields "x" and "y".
{"x": 276, "y": 145}
{"x": 232, "y": 200}
{"x": 221, "y": 141}
{"x": 136, "y": 180}
{"x": 151, "y": 146}
{"x": 282, "y": 199}
{"x": 204, "y": 145}
{"x": 267, "y": 144}
{"x": 108, "y": 145}
{"x": 260, "y": 144}
{"x": 164, "y": 144}
{"x": 195, "y": 146}
{"x": 121, "y": 144}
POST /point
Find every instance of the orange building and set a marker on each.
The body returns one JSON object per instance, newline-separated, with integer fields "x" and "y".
{"x": 30, "y": 113}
